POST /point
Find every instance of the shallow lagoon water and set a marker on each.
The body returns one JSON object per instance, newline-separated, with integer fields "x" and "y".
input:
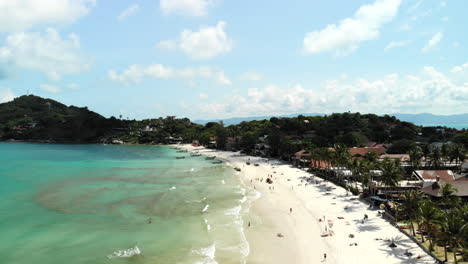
{"x": 94, "y": 204}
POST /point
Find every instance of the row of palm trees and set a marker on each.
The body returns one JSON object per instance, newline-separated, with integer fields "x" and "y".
{"x": 363, "y": 170}
{"x": 443, "y": 222}
{"x": 436, "y": 158}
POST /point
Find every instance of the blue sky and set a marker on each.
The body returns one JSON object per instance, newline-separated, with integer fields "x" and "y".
{"x": 218, "y": 58}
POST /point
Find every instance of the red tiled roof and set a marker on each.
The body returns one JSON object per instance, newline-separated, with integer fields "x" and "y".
{"x": 430, "y": 175}
{"x": 361, "y": 152}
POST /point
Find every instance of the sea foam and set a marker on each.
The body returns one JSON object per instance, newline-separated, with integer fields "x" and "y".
{"x": 125, "y": 253}
{"x": 209, "y": 254}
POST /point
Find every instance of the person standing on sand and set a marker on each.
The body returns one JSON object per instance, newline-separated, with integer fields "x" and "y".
{"x": 324, "y": 256}
{"x": 290, "y": 210}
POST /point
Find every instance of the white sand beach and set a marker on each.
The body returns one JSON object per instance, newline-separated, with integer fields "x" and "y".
{"x": 312, "y": 199}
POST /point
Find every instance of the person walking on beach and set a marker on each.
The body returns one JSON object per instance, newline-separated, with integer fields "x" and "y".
{"x": 324, "y": 256}
{"x": 290, "y": 210}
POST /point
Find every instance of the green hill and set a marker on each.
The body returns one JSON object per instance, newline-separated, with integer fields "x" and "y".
{"x": 34, "y": 118}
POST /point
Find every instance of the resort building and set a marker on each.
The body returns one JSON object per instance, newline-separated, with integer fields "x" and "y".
{"x": 361, "y": 152}
{"x": 428, "y": 177}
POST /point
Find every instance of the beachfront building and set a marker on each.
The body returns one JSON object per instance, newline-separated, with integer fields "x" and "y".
{"x": 460, "y": 185}
{"x": 362, "y": 152}
{"x": 302, "y": 158}
{"x": 428, "y": 177}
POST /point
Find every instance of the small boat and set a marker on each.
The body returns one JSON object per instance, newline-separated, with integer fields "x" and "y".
{"x": 180, "y": 157}
{"x": 217, "y": 162}
{"x": 248, "y": 163}
{"x": 210, "y": 158}
{"x": 195, "y": 155}
{"x": 237, "y": 169}
{"x": 256, "y": 164}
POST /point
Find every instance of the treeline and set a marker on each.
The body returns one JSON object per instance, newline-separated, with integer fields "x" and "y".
{"x": 35, "y": 118}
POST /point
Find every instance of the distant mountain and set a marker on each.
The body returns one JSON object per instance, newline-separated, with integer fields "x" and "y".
{"x": 238, "y": 120}
{"x": 418, "y": 119}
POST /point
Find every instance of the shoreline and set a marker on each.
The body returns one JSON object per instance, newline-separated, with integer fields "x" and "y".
{"x": 304, "y": 238}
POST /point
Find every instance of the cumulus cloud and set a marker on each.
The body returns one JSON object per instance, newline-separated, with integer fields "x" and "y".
{"x": 345, "y": 37}
{"x": 195, "y": 8}
{"x": 396, "y": 44}
{"x": 6, "y": 95}
{"x": 433, "y": 42}
{"x": 46, "y": 52}
{"x": 136, "y": 73}
{"x": 251, "y": 76}
{"x": 129, "y": 11}
{"x": 19, "y": 15}
{"x": 206, "y": 43}
{"x": 426, "y": 91}
{"x": 461, "y": 68}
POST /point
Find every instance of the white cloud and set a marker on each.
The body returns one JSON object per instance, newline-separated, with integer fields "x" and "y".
{"x": 396, "y": 44}
{"x": 186, "y": 7}
{"x": 345, "y": 38}
{"x": 426, "y": 91}
{"x": 50, "y": 88}
{"x": 130, "y": 11}
{"x": 136, "y": 74}
{"x": 18, "y": 15}
{"x": 433, "y": 42}
{"x": 206, "y": 43}
{"x": 6, "y": 95}
{"x": 460, "y": 68}
{"x": 251, "y": 76}
{"x": 203, "y": 96}
{"x": 46, "y": 52}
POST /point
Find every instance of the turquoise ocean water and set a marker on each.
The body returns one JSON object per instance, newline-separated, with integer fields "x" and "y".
{"x": 72, "y": 204}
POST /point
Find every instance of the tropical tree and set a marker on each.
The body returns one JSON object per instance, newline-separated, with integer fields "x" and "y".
{"x": 453, "y": 232}
{"x": 428, "y": 216}
{"x": 415, "y": 155}
{"x": 435, "y": 159}
{"x": 448, "y": 199}
{"x": 409, "y": 207}
{"x": 391, "y": 173}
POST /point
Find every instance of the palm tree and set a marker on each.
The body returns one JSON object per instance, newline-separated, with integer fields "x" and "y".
{"x": 428, "y": 216}
{"x": 448, "y": 198}
{"x": 391, "y": 173}
{"x": 416, "y": 155}
{"x": 453, "y": 231}
{"x": 435, "y": 159}
{"x": 409, "y": 207}
{"x": 457, "y": 153}
{"x": 426, "y": 151}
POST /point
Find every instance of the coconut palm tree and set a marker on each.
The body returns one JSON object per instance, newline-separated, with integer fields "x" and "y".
{"x": 409, "y": 207}
{"x": 457, "y": 154}
{"x": 448, "y": 199}
{"x": 453, "y": 231}
{"x": 435, "y": 159}
{"x": 391, "y": 173}
{"x": 416, "y": 155}
{"x": 428, "y": 216}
